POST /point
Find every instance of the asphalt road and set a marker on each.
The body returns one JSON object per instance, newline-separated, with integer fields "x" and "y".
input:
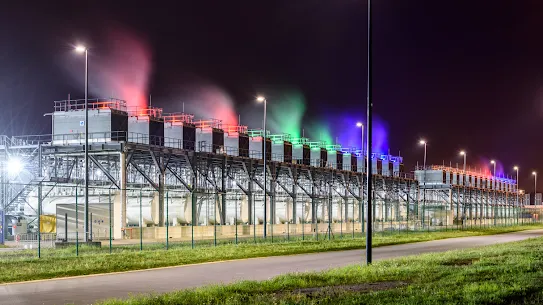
{"x": 88, "y": 289}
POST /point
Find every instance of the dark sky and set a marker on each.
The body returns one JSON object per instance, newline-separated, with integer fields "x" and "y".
{"x": 461, "y": 74}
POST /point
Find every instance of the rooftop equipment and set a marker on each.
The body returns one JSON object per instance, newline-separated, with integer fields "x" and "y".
{"x": 179, "y": 131}
{"x": 107, "y": 121}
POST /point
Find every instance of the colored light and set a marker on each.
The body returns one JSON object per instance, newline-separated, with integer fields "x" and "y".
{"x": 286, "y": 113}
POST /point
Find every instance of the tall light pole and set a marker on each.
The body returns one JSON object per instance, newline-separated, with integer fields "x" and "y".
{"x": 83, "y": 49}
{"x": 535, "y": 184}
{"x": 369, "y": 176}
{"x": 262, "y": 99}
{"x": 494, "y": 191}
{"x": 463, "y": 153}
{"x": 359, "y": 124}
{"x": 423, "y": 142}
{"x": 518, "y": 205}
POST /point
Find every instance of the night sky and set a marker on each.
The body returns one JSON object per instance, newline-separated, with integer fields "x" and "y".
{"x": 460, "y": 74}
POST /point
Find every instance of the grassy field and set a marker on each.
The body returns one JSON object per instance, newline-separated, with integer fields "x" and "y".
{"x": 17, "y": 267}
{"x": 502, "y": 274}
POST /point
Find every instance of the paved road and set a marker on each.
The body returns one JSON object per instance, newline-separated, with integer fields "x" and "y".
{"x": 88, "y": 289}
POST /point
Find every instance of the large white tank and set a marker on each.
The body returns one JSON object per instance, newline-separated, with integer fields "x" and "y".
{"x": 149, "y": 209}
{"x": 59, "y": 196}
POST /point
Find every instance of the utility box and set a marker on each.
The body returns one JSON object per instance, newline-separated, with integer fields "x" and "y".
{"x": 209, "y": 136}
{"x": 146, "y": 126}
{"x": 107, "y": 120}
{"x": 236, "y": 140}
{"x": 179, "y": 131}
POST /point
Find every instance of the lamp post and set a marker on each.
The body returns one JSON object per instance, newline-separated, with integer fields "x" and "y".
{"x": 423, "y": 142}
{"x": 535, "y": 184}
{"x": 494, "y": 190}
{"x": 83, "y": 49}
{"x": 361, "y": 126}
{"x": 369, "y": 117}
{"x": 463, "y": 153}
{"x": 518, "y": 205}
{"x": 262, "y": 99}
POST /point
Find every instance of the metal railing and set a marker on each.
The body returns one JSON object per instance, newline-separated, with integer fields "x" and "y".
{"x": 96, "y": 103}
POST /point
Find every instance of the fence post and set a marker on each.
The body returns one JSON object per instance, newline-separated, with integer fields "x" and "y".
{"x": 110, "y": 223}
{"x": 76, "y": 223}
{"x": 167, "y": 222}
{"x": 236, "y": 218}
{"x": 39, "y": 219}
{"x": 141, "y": 223}
{"x": 66, "y": 227}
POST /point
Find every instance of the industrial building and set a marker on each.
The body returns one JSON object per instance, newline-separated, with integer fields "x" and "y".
{"x": 149, "y": 171}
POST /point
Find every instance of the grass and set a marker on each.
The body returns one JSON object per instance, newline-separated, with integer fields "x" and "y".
{"x": 15, "y": 266}
{"x": 503, "y": 274}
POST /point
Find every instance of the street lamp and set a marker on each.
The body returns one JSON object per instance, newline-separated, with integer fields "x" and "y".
{"x": 463, "y": 153}
{"x": 14, "y": 166}
{"x": 516, "y": 170}
{"x": 262, "y": 99}
{"x": 423, "y": 142}
{"x": 361, "y": 126}
{"x": 535, "y": 184}
{"x": 83, "y": 49}
{"x": 494, "y": 190}
{"x": 518, "y": 205}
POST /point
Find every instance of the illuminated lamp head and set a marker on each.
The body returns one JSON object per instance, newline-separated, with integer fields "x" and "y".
{"x": 14, "y": 166}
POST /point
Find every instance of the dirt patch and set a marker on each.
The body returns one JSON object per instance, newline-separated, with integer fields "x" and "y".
{"x": 460, "y": 262}
{"x": 332, "y": 290}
